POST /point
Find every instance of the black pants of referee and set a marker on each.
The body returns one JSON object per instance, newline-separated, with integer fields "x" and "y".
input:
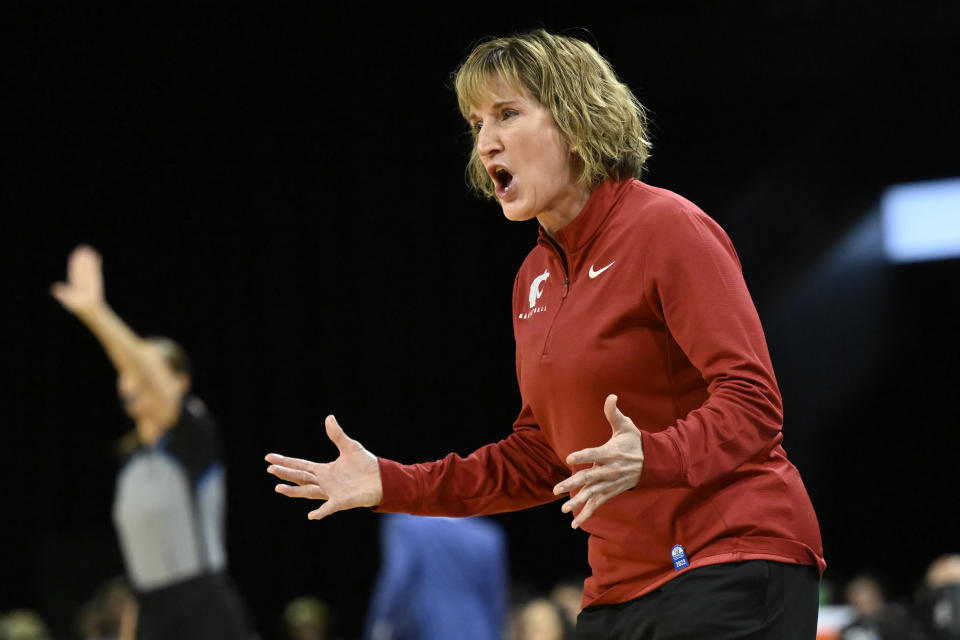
{"x": 202, "y": 608}
{"x": 755, "y": 600}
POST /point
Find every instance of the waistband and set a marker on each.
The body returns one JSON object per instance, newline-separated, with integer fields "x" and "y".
{"x": 189, "y": 588}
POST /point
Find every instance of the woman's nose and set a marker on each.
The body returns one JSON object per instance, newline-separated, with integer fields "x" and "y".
{"x": 488, "y": 142}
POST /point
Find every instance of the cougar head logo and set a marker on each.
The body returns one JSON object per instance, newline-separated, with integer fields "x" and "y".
{"x": 535, "y": 290}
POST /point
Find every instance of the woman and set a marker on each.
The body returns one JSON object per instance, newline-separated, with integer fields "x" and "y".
{"x": 171, "y": 492}
{"x": 647, "y": 390}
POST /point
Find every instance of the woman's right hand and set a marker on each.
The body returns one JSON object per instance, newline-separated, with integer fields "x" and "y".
{"x": 352, "y": 480}
{"x": 83, "y": 290}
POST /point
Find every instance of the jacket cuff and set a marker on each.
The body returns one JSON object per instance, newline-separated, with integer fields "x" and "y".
{"x": 401, "y": 487}
{"x": 662, "y": 461}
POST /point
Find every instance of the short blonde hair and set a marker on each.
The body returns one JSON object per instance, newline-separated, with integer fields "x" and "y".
{"x": 604, "y": 123}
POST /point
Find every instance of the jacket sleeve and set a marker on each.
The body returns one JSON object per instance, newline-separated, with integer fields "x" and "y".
{"x": 518, "y": 472}
{"x": 693, "y": 281}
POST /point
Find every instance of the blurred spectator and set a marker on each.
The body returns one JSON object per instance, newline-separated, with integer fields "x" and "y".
{"x": 831, "y": 618}
{"x": 110, "y": 615}
{"x": 540, "y": 619}
{"x": 440, "y": 578}
{"x": 306, "y": 618}
{"x": 938, "y": 606}
{"x": 875, "y": 618}
{"x": 88, "y": 621}
{"x": 825, "y": 593}
{"x": 23, "y": 624}
{"x": 567, "y": 594}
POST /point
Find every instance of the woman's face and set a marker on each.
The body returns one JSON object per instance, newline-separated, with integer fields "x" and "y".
{"x": 133, "y": 396}
{"x": 136, "y": 396}
{"x": 527, "y": 157}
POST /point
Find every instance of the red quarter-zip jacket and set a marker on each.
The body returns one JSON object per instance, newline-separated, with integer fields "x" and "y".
{"x": 641, "y": 295}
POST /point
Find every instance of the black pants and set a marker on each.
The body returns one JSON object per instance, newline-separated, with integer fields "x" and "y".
{"x": 755, "y": 600}
{"x": 203, "y": 608}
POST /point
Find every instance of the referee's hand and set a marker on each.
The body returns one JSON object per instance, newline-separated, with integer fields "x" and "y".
{"x": 82, "y": 292}
{"x": 352, "y": 480}
{"x": 617, "y": 466}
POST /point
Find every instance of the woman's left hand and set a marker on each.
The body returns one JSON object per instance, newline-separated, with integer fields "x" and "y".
{"x": 617, "y": 466}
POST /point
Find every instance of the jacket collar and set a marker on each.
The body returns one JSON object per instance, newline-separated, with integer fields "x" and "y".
{"x": 581, "y": 230}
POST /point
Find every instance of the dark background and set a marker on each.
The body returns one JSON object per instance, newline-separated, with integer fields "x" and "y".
{"x": 281, "y": 189}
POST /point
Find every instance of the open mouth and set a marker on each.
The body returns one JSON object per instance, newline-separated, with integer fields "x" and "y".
{"x": 502, "y": 180}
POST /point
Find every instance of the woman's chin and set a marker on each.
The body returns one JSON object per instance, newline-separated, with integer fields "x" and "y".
{"x": 514, "y": 213}
{"x": 134, "y": 411}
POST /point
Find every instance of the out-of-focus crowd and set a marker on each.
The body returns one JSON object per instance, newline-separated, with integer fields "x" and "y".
{"x": 868, "y": 613}
{"x": 862, "y": 612}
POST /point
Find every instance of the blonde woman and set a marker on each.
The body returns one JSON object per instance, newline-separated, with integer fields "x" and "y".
{"x": 648, "y": 395}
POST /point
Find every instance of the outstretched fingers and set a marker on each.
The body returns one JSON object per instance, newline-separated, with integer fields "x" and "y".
{"x": 312, "y": 492}
{"x": 593, "y": 475}
{"x": 585, "y": 495}
{"x": 278, "y": 460}
{"x": 615, "y": 467}
{"x": 588, "y": 508}
{"x": 618, "y": 421}
{"x": 336, "y": 433}
{"x": 610, "y": 409}
{"x": 587, "y": 501}
{"x": 326, "y": 509}
{"x": 352, "y": 480}
{"x": 292, "y": 475}
{"x": 592, "y": 455}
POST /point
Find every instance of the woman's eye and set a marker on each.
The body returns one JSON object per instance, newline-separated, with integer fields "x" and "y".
{"x": 509, "y": 113}
{"x": 477, "y": 126}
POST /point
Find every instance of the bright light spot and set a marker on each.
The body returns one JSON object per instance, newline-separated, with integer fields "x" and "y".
{"x": 921, "y": 221}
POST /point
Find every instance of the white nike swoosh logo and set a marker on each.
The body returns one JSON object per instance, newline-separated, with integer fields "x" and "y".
{"x": 594, "y": 274}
